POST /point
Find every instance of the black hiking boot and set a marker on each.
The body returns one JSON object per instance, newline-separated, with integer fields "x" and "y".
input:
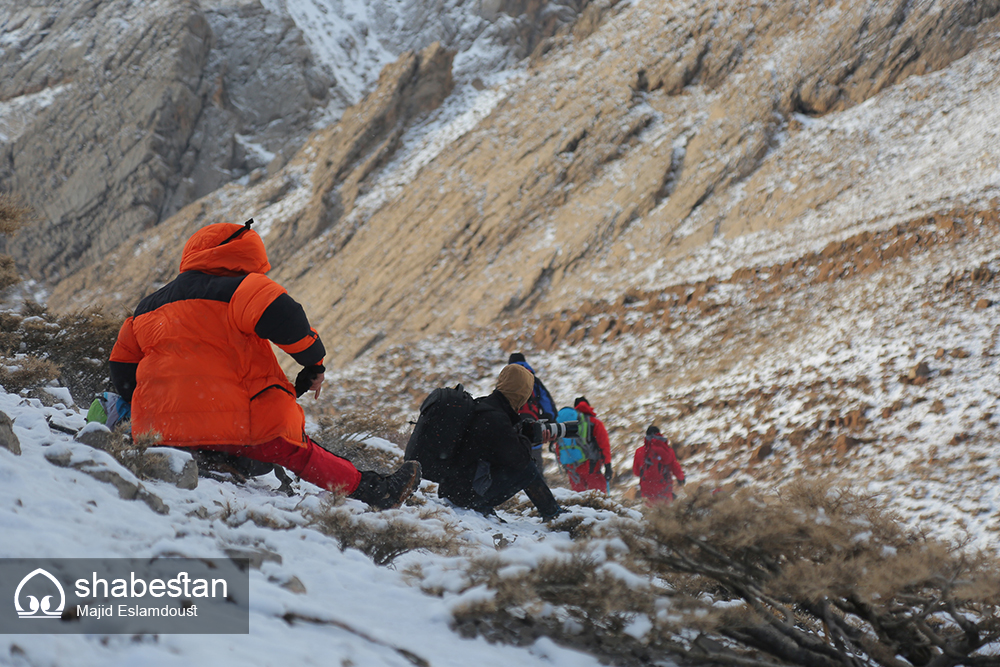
{"x": 490, "y": 513}
{"x": 385, "y": 492}
{"x": 540, "y": 495}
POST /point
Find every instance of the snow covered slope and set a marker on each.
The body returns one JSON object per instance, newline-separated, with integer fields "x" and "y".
{"x": 358, "y": 613}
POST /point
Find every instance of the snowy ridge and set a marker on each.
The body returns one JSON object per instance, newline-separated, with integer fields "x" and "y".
{"x": 423, "y": 142}
{"x": 354, "y": 40}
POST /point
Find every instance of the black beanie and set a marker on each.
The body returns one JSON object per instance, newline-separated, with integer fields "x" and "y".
{"x": 652, "y": 430}
{"x": 580, "y": 399}
{"x": 516, "y": 357}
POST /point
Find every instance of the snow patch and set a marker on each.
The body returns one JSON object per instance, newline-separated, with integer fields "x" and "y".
{"x": 18, "y": 113}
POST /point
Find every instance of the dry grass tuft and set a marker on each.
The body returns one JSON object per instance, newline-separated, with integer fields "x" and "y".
{"x": 76, "y": 348}
{"x": 13, "y": 214}
{"x": 820, "y": 576}
{"x": 8, "y": 272}
{"x": 235, "y": 515}
{"x": 131, "y": 452}
{"x": 20, "y": 372}
{"x": 577, "y": 525}
{"x": 384, "y": 536}
{"x": 345, "y": 434}
{"x": 574, "y": 599}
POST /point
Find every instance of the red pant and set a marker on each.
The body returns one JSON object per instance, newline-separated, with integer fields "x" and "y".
{"x": 581, "y": 479}
{"x": 312, "y": 463}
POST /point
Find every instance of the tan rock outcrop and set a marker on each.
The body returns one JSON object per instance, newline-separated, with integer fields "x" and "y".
{"x": 324, "y": 178}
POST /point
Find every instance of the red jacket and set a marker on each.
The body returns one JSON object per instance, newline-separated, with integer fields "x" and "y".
{"x": 195, "y": 359}
{"x": 600, "y": 433}
{"x": 589, "y": 474}
{"x": 656, "y": 465}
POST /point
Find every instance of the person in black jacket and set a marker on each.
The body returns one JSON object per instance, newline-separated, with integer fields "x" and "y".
{"x": 539, "y": 405}
{"x": 493, "y": 461}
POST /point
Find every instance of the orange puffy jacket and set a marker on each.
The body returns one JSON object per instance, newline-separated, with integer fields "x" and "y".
{"x": 194, "y": 359}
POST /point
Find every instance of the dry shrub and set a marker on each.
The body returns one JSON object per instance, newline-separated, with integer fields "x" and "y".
{"x": 345, "y": 434}
{"x": 573, "y": 599}
{"x": 384, "y": 536}
{"x": 8, "y": 272}
{"x": 130, "y": 451}
{"x": 21, "y": 371}
{"x": 812, "y": 575}
{"x": 78, "y": 344}
{"x": 822, "y": 577}
{"x": 12, "y": 216}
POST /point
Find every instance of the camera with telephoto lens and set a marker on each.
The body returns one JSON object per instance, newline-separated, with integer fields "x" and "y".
{"x": 542, "y": 431}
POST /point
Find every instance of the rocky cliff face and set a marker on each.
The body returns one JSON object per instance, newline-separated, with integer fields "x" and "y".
{"x": 651, "y": 134}
{"x": 130, "y": 111}
{"x": 114, "y": 115}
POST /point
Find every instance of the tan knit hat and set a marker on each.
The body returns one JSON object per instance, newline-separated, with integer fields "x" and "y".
{"x": 516, "y": 383}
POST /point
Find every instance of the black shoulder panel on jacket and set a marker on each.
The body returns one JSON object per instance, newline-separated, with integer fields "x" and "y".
{"x": 283, "y": 322}
{"x": 191, "y": 285}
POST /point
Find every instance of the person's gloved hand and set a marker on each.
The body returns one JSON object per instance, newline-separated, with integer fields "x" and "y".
{"x": 680, "y": 482}
{"x": 531, "y": 430}
{"x": 309, "y": 378}
{"x": 607, "y": 471}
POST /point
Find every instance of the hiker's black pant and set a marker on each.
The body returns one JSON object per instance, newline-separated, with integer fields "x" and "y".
{"x": 536, "y": 456}
{"x": 508, "y": 481}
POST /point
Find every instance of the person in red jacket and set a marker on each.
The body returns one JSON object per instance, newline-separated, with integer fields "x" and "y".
{"x": 195, "y": 362}
{"x": 656, "y": 466}
{"x": 588, "y": 475}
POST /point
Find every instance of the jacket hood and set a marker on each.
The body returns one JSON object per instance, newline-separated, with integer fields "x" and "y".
{"x": 516, "y": 383}
{"x": 657, "y": 440}
{"x": 584, "y": 407}
{"x": 207, "y": 251}
{"x": 502, "y": 402}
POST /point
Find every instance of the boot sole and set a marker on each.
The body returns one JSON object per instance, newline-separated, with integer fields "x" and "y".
{"x": 409, "y": 487}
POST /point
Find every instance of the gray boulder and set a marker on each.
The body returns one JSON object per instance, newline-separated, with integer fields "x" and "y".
{"x": 102, "y": 467}
{"x": 8, "y": 440}
{"x": 257, "y": 556}
{"x": 95, "y": 435}
{"x": 171, "y": 465}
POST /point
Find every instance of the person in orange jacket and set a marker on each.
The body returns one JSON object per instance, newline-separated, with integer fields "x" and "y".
{"x": 656, "y": 465}
{"x": 196, "y": 364}
{"x": 588, "y": 475}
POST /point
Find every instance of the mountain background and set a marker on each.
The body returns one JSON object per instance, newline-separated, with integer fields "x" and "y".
{"x": 769, "y": 227}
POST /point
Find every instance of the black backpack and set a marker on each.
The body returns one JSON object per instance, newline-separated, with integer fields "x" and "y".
{"x": 445, "y": 416}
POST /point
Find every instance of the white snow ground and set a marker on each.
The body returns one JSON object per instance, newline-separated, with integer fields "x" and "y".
{"x": 49, "y": 511}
